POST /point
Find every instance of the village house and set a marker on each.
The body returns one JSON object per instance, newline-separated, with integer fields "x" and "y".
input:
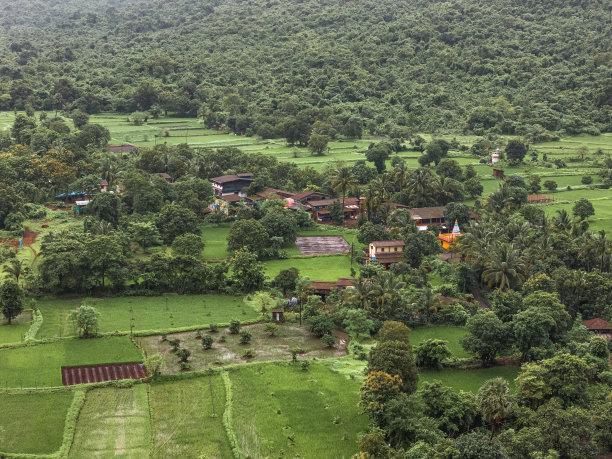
{"x": 386, "y": 252}
{"x": 320, "y": 209}
{"x": 305, "y": 197}
{"x": 324, "y": 288}
{"x": 231, "y": 184}
{"x": 599, "y": 326}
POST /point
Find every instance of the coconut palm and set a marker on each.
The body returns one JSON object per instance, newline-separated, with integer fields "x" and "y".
{"x": 400, "y": 174}
{"x": 15, "y": 268}
{"x": 505, "y": 267}
{"x": 422, "y": 187}
{"x": 343, "y": 180}
{"x": 385, "y": 288}
{"x": 562, "y": 221}
{"x": 601, "y": 247}
{"x": 370, "y": 193}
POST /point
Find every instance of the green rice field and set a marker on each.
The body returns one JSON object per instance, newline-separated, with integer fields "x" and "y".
{"x": 40, "y": 365}
{"x": 14, "y": 333}
{"x": 150, "y": 313}
{"x": 470, "y": 380}
{"x": 187, "y": 419}
{"x": 328, "y": 268}
{"x": 279, "y": 407}
{"x": 33, "y": 423}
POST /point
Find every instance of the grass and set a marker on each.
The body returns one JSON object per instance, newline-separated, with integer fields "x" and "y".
{"x": 280, "y": 410}
{"x": 113, "y": 422}
{"x": 40, "y": 366}
{"x": 215, "y": 241}
{"x": 33, "y": 422}
{"x": 329, "y": 268}
{"x": 445, "y": 332}
{"x": 14, "y": 333}
{"x": 182, "y": 415}
{"x": 469, "y": 380}
{"x": 150, "y": 313}
{"x": 230, "y": 351}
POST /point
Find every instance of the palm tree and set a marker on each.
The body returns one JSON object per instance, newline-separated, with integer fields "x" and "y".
{"x": 601, "y": 246}
{"x": 505, "y": 267}
{"x": 358, "y": 293}
{"x": 562, "y": 221}
{"x": 400, "y": 175}
{"x": 15, "y": 268}
{"x": 385, "y": 287}
{"x": 343, "y": 180}
{"x": 370, "y": 193}
{"x": 421, "y": 185}
{"x": 494, "y": 401}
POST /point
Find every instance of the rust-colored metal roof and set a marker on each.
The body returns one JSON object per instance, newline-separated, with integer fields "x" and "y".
{"x": 426, "y": 213}
{"x": 231, "y": 198}
{"x": 597, "y": 324}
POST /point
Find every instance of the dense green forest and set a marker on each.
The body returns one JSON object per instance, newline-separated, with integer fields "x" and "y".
{"x": 506, "y": 66}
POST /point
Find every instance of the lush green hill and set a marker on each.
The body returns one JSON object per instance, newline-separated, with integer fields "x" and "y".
{"x": 506, "y": 65}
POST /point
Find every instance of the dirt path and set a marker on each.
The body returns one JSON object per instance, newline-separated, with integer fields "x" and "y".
{"x": 478, "y": 297}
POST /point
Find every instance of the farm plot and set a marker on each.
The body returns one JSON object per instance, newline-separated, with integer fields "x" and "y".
{"x": 226, "y": 348}
{"x": 185, "y": 422}
{"x": 149, "y": 313}
{"x": 99, "y": 373}
{"x": 321, "y": 245}
{"x": 33, "y": 423}
{"x": 328, "y": 268}
{"x": 113, "y": 422}
{"x": 40, "y": 365}
{"x": 280, "y": 408}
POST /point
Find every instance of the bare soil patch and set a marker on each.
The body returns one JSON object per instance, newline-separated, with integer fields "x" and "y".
{"x": 321, "y": 245}
{"x": 227, "y": 349}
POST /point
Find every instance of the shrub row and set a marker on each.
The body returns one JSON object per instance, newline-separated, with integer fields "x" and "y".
{"x": 227, "y": 417}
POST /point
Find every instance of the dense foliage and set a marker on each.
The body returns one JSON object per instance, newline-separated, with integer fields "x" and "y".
{"x": 503, "y": 65}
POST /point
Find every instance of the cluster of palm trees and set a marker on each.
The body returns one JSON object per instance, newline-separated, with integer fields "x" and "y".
{"x": 504, "y": 249}
{"x": 421, "y": 188}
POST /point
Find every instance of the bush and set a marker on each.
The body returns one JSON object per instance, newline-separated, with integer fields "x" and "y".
{"x": 207, "y": 342}
{"x": 248, "y": 354}
{"x": 245, "y": 337}
{"x": 271, "y": 329}
{"x": 321, "y": 324}
{"x": 304, "y": 365}
{"x": 234, "y": 327}
{"x": 587, "y": 180}
{"x": 329, "y": 341}
{"x": 183, "y": 354}
{"x": 430, "y": 353}
{"x": 175, "y": 344}
{"x": 214, "y": 328}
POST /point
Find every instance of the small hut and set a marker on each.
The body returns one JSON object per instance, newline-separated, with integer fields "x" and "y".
{"x": 599, "y": 327}
{"x": 278, "y": 315}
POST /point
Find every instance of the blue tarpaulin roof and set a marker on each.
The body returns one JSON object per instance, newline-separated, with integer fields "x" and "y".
{"x": 74, "y": 193}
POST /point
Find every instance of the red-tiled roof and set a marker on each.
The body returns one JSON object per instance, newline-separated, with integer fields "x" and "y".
{"x": 597, "y": 324}
{"x": 391, "y": 257}
{"x": 103, "y": 183}
{"x": 304, "y": 194}
{"x": 387, "y": 243}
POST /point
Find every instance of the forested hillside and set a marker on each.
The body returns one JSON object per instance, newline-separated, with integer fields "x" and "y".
{"x": 510, "y": 66}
